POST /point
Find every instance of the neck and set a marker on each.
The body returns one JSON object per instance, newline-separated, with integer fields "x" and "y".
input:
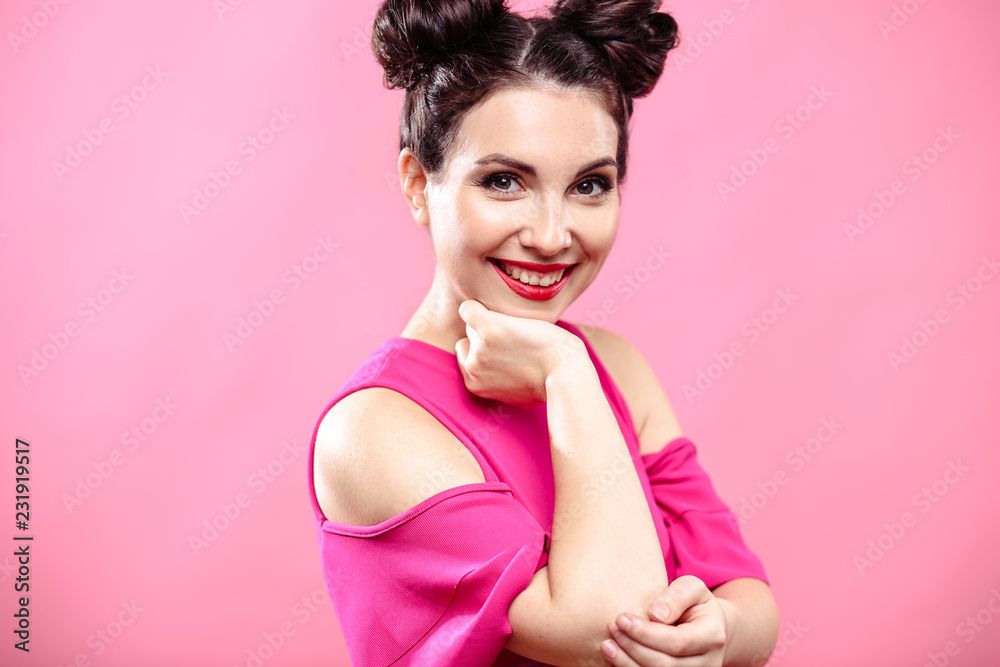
{"x": 436, "y": 320}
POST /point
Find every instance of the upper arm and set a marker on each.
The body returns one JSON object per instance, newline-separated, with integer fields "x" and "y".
{"x": 378, "y": 454}
{"x": 653, "y": 416}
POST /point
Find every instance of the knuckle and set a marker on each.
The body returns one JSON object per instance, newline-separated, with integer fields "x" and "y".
{"x": 641, "y": 631}
{"x": 717, "y": 640}
{"x": 690, "y": 585}
{"x": 681, "y": 645}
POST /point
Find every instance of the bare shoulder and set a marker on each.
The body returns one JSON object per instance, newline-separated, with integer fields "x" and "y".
{"x": 378, "y": 453}
{"x": 653, "y": 416}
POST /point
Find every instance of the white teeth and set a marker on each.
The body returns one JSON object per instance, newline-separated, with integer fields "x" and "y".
{"x": 532, "y": 277}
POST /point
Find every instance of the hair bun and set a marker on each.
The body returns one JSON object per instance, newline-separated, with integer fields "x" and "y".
{"x": 632, "y": 34}
{"x": 411, "y": 36}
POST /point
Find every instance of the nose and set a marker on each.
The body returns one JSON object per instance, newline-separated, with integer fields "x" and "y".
{"x": 547, "y": 228}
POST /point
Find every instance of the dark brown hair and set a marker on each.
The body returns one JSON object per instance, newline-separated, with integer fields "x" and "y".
{"x": 450, "y": 54}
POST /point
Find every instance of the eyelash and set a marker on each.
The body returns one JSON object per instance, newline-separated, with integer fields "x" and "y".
{"x": 606, "y": 186}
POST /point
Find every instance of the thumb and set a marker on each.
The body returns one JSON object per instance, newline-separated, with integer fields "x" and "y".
{"x": 462, "y": 351}
{"x": 471, "y": 311}
{"x": 682, "y": 593}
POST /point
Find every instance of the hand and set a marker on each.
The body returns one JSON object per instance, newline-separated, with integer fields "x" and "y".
{"x": 508, "y": 358}
{"x": 694, "y": 628}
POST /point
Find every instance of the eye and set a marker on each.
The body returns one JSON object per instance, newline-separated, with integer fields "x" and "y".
{"x": 587, "y": 187}
{"x": 502, "y": 184}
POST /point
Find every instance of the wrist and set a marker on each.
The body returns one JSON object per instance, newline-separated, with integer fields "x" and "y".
{"x": 572, "y": 372}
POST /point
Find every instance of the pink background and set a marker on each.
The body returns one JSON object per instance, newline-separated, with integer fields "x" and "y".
{"x": 242, "y": 408}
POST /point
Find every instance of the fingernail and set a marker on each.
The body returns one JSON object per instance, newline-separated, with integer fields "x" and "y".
{"x": 659, "y": 612}
{"x": 609, "y": 649}
{"x": 624, "y": 622}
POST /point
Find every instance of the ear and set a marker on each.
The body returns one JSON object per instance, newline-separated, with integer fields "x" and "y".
{"x": 413, "y": 182}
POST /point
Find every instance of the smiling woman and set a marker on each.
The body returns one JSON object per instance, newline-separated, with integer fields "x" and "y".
{"x": 496, "y": 485}
{"x": 546, "y": 206}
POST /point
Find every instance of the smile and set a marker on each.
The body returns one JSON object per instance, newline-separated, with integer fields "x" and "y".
{"x": 532, "y": 284}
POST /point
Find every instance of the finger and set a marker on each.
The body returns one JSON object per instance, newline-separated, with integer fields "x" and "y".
{"x": 471, "y": 311}
{"x": 682, "y": 593}
{"x": 616, "y": 655}
{"x": 630, "y": 651}
{"x": 642, "y": 638}
{"x": 473, "y": 335}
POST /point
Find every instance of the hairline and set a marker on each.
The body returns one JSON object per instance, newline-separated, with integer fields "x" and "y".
{"x": 532, "y": 82}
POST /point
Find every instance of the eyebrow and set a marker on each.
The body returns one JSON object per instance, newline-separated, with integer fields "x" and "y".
{"x": 500, "y": 158}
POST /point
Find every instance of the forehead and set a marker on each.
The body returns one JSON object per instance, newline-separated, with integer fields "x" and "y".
{"x": 549, "y": 128}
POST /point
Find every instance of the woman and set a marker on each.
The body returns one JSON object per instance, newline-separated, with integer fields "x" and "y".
{"x": 497, "y": 486}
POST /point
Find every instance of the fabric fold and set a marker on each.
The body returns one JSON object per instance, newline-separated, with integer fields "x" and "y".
{"x": 705, "y": 539}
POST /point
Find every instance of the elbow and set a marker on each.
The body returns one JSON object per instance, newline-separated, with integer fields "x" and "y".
{"x": 579, "y": 644}
{"x": 587, "y": 626}
{"x": 566, "y": 627}
{"x": 769, "y": 629}
{"x": 756, "y": 613}
{"x": 568, "y": 640}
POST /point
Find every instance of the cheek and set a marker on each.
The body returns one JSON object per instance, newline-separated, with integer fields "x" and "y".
{"x": 480, "y": 228}
{"x": 604, "y": 236}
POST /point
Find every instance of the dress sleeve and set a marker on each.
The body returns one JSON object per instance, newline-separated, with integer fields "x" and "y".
{"x": 704, "y": 532}
{"x": 432, "y": 586}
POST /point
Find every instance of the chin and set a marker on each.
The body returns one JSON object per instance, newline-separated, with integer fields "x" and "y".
{"x": 543, "y": 310}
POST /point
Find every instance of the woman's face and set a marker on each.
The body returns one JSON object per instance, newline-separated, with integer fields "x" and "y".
{"x": 531, "y": 179}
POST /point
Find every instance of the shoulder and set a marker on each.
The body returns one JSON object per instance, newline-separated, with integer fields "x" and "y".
{"x": 378, "y": 453}
{"x": 652, "y": 414}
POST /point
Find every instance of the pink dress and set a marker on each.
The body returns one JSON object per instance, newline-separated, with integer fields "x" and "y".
{"x": 432, "y": 585}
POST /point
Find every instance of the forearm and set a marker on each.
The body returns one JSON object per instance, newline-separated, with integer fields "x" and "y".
{"x": 751, "y": 621}
{"x": 605, "y": 556}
